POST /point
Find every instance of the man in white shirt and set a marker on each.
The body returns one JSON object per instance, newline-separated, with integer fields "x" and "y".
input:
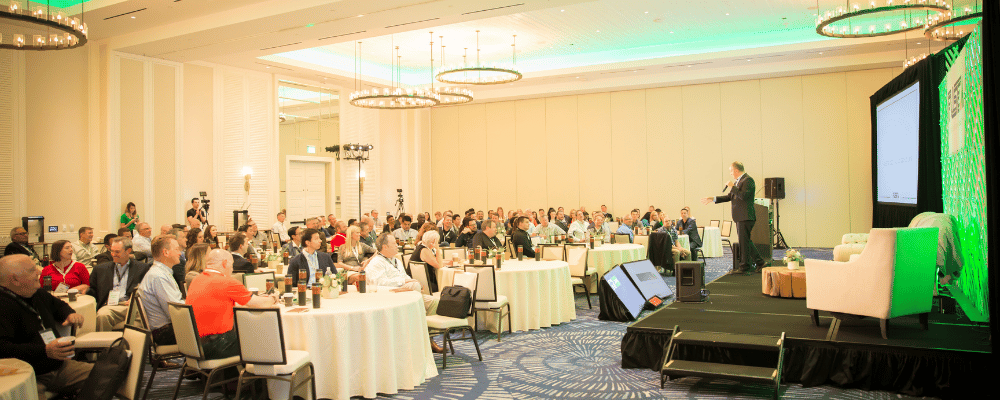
{"x": 158, "y": 288}
{"x": 385, "y": 269}
{"x": 377, "y": 222}
{"x": 546, "y": 229}
{"x": 83, "y": 250}
{"x": 143, "y": 242}
{"x": 578, "y": 229}
{"x": 405, "y": 233}
{"x": 601, "y": 228}
{"x": 280, "y": 228}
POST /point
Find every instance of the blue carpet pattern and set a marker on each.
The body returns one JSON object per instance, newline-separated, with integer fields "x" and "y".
{"x": 576, "y": 360}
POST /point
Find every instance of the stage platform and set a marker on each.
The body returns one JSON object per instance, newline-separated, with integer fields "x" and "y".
{"x": 947, "y": 360}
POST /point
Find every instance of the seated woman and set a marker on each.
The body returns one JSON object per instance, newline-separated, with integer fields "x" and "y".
{"x": 426, "y": 252}
{"x": 521, "y": 238}
{"x": 468, "y": 232}
{"x": 212, "y": 236}
{"x": 353, "y": 255}
{"x": 195, "y": 262}
{"x": 195, "y": 236}
{"x": 64, "y": 272}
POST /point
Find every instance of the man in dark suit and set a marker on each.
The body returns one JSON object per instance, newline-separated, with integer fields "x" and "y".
{"x": 238, "y": 246}
{"x": 487, "y": 236}
{"x": 741, "y": 191}
{"x": 19, "y": 245}
{"x": 311, "y": 259}
{"x": 113, "y": 283}
{"x": 105, "y": 256}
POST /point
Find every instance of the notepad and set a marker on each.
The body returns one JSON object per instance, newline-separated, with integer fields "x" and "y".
{"x": 6, "y": 371}
{"x": 299, "y": 309}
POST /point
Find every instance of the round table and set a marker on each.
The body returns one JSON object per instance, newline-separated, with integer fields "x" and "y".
{"x": 784, "y": 282}
{"x": 711, "y": 244}
{"x": 20, "y": 385}
{"x": 362, "y": 344}
{"x": 684, "y": 241}
{"x": 539, "y": 292}
{"x": 603, "y": 258}
{"x": 87, "y": 306}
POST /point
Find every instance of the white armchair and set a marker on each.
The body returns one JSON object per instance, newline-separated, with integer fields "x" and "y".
{"x": 850, "y": 244}
{"x": 894, "y": 276}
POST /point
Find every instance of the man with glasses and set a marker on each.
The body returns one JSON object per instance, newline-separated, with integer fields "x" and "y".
{"x": 19, "y": 245}
{"x": 113, "y": 283}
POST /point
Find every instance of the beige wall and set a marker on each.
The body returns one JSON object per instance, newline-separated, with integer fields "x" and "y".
{"x": 669, "y": 147}
{"x": 196, "y": 155}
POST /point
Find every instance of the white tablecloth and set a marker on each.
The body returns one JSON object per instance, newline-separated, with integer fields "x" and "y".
{"x": 21, "y": 385}
{"x": 608, "y": 256}
{"x": 86, "y": 306}
{"x": 711, "y": 244}
{"x": 539, "y": 292}
{"x": 684, "y": 241}
{"x": 362, "y": 344}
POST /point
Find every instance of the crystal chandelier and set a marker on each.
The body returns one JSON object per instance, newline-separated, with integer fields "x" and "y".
{"x": 871, "y": 18}
{"x": 955, "y": 23}
{"x": 480, "y": 74}
{"x": 45, "y": 27}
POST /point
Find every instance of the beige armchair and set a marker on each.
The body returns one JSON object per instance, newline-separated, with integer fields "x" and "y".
{"x": 894, "y": 276}
{"x": 850, "y": 244}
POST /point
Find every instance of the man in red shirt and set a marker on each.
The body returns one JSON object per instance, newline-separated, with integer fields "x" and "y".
{"x": 340, "y": 238}
{"x": 212, "y": 295}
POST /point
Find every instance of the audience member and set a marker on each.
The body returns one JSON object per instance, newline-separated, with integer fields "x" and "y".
{"x": 311, "y": 259}
{"x": 32, "y": 319}
{"x": 238, "y": 246}
{"x": 165, "y": 229}
{"x": 292, "y": 247}
{"x": 19, "y": 245}
{"x": 142, "y": 243}
{"x": 375, "y": 220}
{"x": 578, "y": 229}
{"x": 340, "y": 236}
{"x": 426, "y": 252}
{"x": 195, "y": 264}
{"x": 113, "y": 283}
{"x": 195, "y": 236}
{"x": 368, "y": 231}
{"x": 448, "y": 232}
{"x": 560, "y": 220}
{"x": 687, "y": 225}
{"x": 280, "y": 228}
{"x": 469, "y": 231}
{"x": 626, "y": 227}
{"x": 636, "y": 222}
{"x": 158, "y": 288}
{"x": 212, "y": 236}
{"x": 106, "y": 256}
{"x": 84, "y": 250}
{"x": 601, "y": 228}
{"x": 312, "y": 223}
{"x": 63, "y": 271}
{"x": 486, "y": 237}
{"x": 647, "y": 215}
{"x": 390, "y": 223}
{"x": 546, "y": 230}
{"x": 130, "y": 218}
{"x": 607, "y": 215}
{"x": 405, "y": 233}
{"x": 331, "y": 230}
{"x": 354, "y": 254}
{"x": 195, "y": 213}
{"x": 125, "y": 232}
{"x": 520, "y": 237}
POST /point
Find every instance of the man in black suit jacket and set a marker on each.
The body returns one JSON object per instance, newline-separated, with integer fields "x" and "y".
{"x": 741, "y": 191}
{"x": 311, "y": 242}
{"x": 238, "y": 246}
{"x": 119, "y": 276}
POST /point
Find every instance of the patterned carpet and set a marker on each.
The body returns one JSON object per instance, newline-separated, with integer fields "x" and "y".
{"x": 577, "y": 360}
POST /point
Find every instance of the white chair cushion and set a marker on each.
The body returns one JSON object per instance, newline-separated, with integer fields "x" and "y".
{"x": 443, "y": 322}
{"x": 501, "y": 301}
{"x": 212, "y": 364}
{"x": 590, "y": 271}
{"x": 97, "y": 340}
{"x": 168, "y": 349}
{"x": 295, "y": 360}
{"x": 576, "y": 281}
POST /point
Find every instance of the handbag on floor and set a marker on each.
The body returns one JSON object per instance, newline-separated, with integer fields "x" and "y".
{"x": 456, "y": 301}
{"x": 109, "y": 373}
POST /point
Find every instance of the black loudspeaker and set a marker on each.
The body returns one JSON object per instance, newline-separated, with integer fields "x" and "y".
{"x": 774, "y": 188}
{"x": 690, "y": 277}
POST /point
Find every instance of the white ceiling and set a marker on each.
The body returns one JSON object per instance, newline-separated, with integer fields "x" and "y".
{"x": 640, "y": 43}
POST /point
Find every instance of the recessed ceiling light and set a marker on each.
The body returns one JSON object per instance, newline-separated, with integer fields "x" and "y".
{"x": 578, "y": 77}
{"x": 671, "y": 31}
{"x": 727, "y": 13}
{"x": 598, "y": 30}
{"x": 821, "y": 52}
{"x": 647, "y": 12}
{"x": 918, "y": 42}
{"x": 689, "y": 66}
{"x": 748, "y": 60}
{"x": 562, "y": 10}
{"x": 133, "y": 17}
{"x": 360, "y": 15}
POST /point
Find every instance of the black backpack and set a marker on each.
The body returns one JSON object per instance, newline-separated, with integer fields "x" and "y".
{"x": 456, "y": 301}
{"x": 109, "y": 373}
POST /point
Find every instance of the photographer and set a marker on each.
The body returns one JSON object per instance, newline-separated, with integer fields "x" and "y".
{"x": 195, "y": 213}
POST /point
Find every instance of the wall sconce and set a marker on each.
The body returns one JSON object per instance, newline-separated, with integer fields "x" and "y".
{"x": 361, "y": 181}
{"x": 247, "y": 173}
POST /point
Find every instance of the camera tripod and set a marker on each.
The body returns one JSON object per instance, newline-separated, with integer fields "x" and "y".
{"x": 779, "y": 239}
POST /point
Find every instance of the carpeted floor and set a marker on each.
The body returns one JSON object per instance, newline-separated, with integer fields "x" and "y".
{"x": 579, "y": 360}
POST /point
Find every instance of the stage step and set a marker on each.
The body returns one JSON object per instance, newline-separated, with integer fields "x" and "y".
{"x": 674, "y": 368}
{"x": 728, "y": 340}
{"x": 679, "y": 368}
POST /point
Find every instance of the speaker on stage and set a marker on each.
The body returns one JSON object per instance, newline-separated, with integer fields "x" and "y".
{"x": 774, "y": 188}
{"x": 690, "y": 280}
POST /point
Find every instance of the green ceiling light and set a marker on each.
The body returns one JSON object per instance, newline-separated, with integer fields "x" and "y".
{"x": 954, "y": 24}
{"x": 855, "y": 19}
{"x": 42, "y": 26}
{"x": 480, "y": 74}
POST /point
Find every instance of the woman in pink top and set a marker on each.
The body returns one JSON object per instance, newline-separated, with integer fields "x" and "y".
{"x": 63, "y": 270}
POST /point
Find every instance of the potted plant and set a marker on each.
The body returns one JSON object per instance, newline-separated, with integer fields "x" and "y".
{"x": 793, "y": 258}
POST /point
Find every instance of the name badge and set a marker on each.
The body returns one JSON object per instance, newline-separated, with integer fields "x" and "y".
{"x": 47, "y": 336}
{"x": 62, "y": 288}
{"x": 113, "y": 297}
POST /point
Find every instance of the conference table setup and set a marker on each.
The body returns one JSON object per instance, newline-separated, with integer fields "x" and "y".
{"x": 711, "y": 242}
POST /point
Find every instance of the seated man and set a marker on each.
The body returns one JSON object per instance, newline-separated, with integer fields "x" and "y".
{"x": 545, "y": 229}
{"x": 521, "y": 238}
{"x": 626, "y": 227}
{"x": 83, "y": 250}
{"x": 487, "y": 236}
{"x": 311, "y": 258}
{"x": 238, "y": 246}
{"x": 105, "y": 256}
{"x": 340, "y": 236}
{"x": 687, "y": 225}
{"x": 405, "y": 233}
{"x": 469, "y": 231}
{"x": 578, "y": 229}
{"x": 19, "y": 245}
{"x": 448, "y": 231}
{"x": 601, "y": 229}
{"x": 143, "y": 242}
{"x": 158, "y": 288}
{"x": 32, "y": 320}
{"x": 292, "y": 247}
{"x": 112, "y": 284}
{"x": 367, "y": 231}
{"x": 212, "y": 295}
{"x": 125, "y": 232}
{"x": 675, "y": 247}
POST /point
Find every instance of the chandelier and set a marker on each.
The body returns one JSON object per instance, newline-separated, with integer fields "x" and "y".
{"x": 48, "y": 28}
{"x": 480, "y": 74}
{"x": 395, "y": 98}
{"x": 860, "y": 19}
{"x": 951, "y": 25}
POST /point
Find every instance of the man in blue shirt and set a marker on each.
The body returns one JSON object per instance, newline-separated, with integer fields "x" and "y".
{"x": 625, "y": 227}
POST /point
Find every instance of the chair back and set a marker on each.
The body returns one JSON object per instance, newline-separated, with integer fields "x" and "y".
{"x": 914, "y": 270}
{"x": 418, "y": 271}
{"x": 406, "y": 260}
{"x": 642, "y": 239}
{"x": 223, "y": 240}
{"x": 261, "y": 336}
{"x": 622, "y": 238}
{"x": 257, "y": 280}
{"x": 145, "y": 318}
{"x": 469, "y": 281}
{"x": 448, "y": 253}
{"x": 186, "y": 330}
{"x": 132, "y": 317}
{"x": 552, "y": 251}
{"x": 275, "y": 237}
{"x": 137, "y": 340}
{"x": 727, "y": 228}
{"x": 701, "y": 232}
{"x": 239, "y": 277}
{"x": 576, "y": 257}
{"x": 486, "y": 285}
{"x": 714, "y": 223}
{"x": 613, "y": 225}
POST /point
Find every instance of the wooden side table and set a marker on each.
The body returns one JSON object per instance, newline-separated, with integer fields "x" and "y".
{"x": 784, "y": 282}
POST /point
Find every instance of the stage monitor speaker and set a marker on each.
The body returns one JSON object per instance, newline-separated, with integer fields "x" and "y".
{"x": 690, "y": 280}
{"x": 774, "y": 188}
{"x": 649, "y": 281}
{"x": 619, "y": 299}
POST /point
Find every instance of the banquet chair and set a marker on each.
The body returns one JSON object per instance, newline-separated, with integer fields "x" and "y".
{"x": 622, "y": 238}
{"x": 263, "y": 354}
{"x": 446, "y": 325}
{"x": 613, "y": 225}
{"x": 643, "y": 240}
{"x": 509, "y": 244}
{"x": 238, "y": 276}
{"x": 551, "y": 251}
{"x": 138, "y": 341}
{"x": 447, "y": 253}
{"x": 487, "y": 299}
{"x": 714, "y": 223}
{"x": 275, "y": 237}
{"x": 701, "y": 232}
{"x": 726, "y": 231}
{"x": 257, "y": 280}
{"x": 577, "y": 255}
{"x": 157, "y": 353}
{"x": 418, "y": 271}
{"x": 189, "y": 344}
{"x": 406, "y": 261}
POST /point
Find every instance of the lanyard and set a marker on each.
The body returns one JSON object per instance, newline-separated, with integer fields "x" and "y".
{"x": 23, "y": 303}
{"x": 64, "y": 272}
{"x": 120, "y": 273}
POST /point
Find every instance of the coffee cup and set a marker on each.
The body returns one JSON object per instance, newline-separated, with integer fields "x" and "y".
{"x": 288, "y": 299}
{"x": 72, "y": 294}
{"x": 68, "y": 339}
{"x": 254, "y": 291}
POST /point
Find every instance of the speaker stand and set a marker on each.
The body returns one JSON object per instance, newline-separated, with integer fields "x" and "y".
{"x": 779, "y": 239}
